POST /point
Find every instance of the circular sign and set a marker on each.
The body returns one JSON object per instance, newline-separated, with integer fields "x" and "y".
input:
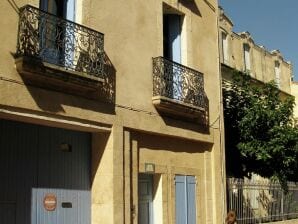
{"x": 50, "y": 202}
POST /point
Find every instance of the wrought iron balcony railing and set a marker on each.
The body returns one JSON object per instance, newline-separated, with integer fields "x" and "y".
{"x": 178, "y": 82}
{"x": 60, "y": 42}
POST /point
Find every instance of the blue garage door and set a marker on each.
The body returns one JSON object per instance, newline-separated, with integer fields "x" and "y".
{"x": 37, "y": 161}
{"x": 185, "y": 199}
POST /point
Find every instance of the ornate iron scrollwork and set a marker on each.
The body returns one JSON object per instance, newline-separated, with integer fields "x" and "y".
{"x": 178, "y": 82}
{"x": 60, "y": 42}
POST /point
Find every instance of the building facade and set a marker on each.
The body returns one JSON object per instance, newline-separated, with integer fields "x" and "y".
{"x": 239, "y": 51}
{"x": 253, "y": 199}
{"x": 110, "y": 112}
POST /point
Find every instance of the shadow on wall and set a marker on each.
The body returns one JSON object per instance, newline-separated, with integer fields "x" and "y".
{"x": 99, "y": 146}
{"x": 199, "y": 124}
{"x": 156, "y": 142}
{"x": 62, "y": 59}
{"x": 191, "y": 5}
{"x": 14, "y": 5}
{"x": 52, "y": 98}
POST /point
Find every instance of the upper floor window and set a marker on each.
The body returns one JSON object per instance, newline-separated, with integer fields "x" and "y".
{"x": 277, "y": 73}
{"x": 172, "y": 37}
{"x": 246, "y": 50}
{"x": 61, "y": 8}
{"x": 224, "y": 38}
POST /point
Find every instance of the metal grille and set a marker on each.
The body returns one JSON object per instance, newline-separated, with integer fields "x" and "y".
{"x": 261, "y": 201}
{"x": 60, "y": 42}
{"x": 178, "y": 82}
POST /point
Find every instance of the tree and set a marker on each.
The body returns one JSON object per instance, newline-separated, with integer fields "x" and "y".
{"x": 260, "y": 135}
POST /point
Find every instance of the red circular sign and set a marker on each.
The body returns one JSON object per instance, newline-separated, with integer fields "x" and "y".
{"x": 50, "y": 202}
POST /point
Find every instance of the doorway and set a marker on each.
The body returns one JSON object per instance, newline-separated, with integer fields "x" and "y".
{"x": 57, "y": 35}
{"x": 45, "y": 175}
{"x": 145, "y": 208}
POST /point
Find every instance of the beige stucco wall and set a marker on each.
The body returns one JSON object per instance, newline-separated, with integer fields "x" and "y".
{"x": 133, "y": 35}
{"x": 173, "y": 157}
{"x": 261, "y": 59}
{"x": 294, "y": 89}
{"x": 179, "y": 157}
{"x": 102, "y": 172}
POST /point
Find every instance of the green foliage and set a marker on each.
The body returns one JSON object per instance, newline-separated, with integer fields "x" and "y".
{"x": 260, "y": 135}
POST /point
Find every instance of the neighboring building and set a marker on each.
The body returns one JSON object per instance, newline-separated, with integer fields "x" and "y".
{"x": 239, "y": 51}
{"x": 256, "y": 198}
{"x": 294, "y": 89}
{"x": 83, "y": 139}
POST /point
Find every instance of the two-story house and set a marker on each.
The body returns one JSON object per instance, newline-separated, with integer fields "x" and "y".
{"x": 110, "y": 112}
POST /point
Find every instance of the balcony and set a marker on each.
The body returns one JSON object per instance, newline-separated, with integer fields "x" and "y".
{"x": 178, "y": 90}
{"x": 56, "y": 53}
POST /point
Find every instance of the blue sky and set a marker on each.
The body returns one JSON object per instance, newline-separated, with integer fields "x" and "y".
{"x": 271, "y": 23}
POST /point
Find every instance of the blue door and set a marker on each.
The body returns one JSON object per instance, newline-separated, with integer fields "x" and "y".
{"x": 38, "y": 161}
{"x": 145, "y": 209}
{"x": 185, "y": 189}
{"x": 172, "y": 51}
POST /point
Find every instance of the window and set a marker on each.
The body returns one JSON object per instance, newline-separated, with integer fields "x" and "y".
{"x": 172, "y": 37}
{"x": 185, "y": 189}
{"x": 61, "y": 8}
{"x": 57, "y": 38}
{"x": 225, "y": 48}
{"x": 172, "y": 51}
{"x": 277, "y": 73}
{"x": 246, "y": 49}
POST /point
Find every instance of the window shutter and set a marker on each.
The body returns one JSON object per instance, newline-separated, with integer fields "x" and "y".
{"x": 185, "y": 199}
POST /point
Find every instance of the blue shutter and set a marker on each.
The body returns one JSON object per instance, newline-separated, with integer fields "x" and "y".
{"x": 70, "y": 32}
{"x": 191, "y": 199}
{"x": 181, "y": 203}
{"x": 49, "y": 50}
{"x": 70, "y": 10}
{"x": 185, "y": 199}
{"x": 174, "y": 37}
{"x": 175, "y": 41}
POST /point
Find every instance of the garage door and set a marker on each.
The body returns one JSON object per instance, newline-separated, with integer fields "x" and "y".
{"x": 45, "y": 175}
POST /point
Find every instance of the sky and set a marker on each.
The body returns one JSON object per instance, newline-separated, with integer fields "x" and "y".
{"x": 271, "y": 23}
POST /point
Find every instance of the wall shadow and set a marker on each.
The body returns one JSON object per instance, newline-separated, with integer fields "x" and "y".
{"x": 99, "y": 144}
{"x": 199, "y": 124}
{"x": 14, "y": 6}
{"x": 157, "y": 142}
{"x": 192, "y": 6}
{"x": 51, "y": 97}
